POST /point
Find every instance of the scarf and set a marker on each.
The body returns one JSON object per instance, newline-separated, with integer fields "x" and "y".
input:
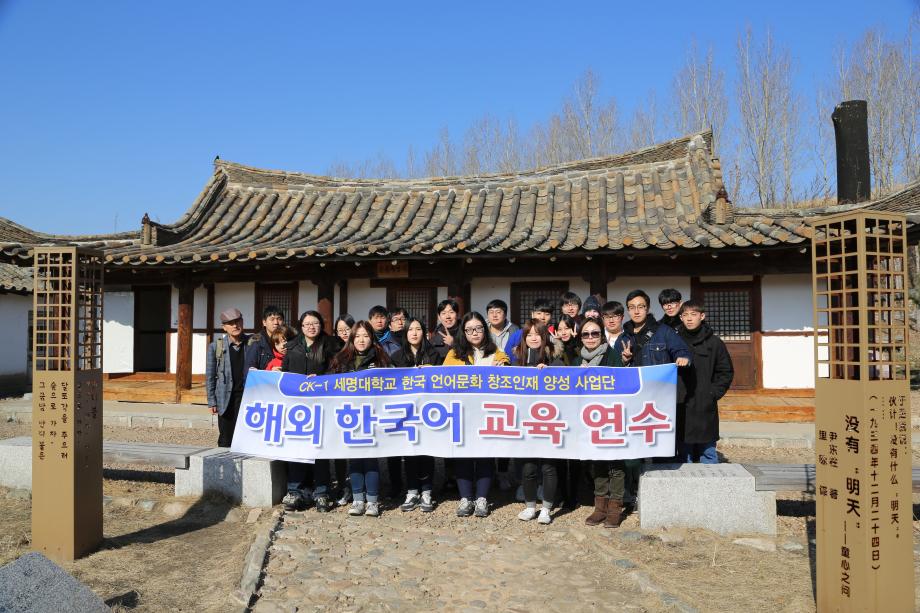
{"x": 384, "y": 336}
{"x": 593, "y": 358}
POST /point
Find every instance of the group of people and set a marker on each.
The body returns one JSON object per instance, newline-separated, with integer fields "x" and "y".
{"x": 592, "y": 333}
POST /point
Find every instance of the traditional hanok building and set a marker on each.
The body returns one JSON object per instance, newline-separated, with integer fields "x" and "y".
{"x": 651, "y": 219}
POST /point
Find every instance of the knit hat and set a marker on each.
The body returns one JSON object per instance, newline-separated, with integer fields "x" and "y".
{"x": 591, "y": 304}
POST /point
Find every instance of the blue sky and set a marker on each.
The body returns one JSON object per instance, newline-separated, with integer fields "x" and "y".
{"x": 112, "y": 109}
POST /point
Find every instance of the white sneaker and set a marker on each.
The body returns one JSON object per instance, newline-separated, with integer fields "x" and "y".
{"x": 427, "y": 503}
{"x": 482, "y": 508}
{"x": 346, "y": 497}
{"x": 545, "y": 517}
{"x": 372, "y": 509}
{"x": 357, "y": 508}
{"x": 527, "y": 514}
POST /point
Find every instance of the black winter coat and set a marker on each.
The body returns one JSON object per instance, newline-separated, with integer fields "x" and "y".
{"x": 427, "y": 356}
{"x": 438, "y": 342}
{"x": 312, "y": 361}
{"x": 703, "y": 383}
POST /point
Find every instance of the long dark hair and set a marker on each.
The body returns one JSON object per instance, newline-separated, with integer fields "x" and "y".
{"x": 346, "y": 357}
{"x": 406, "y": 346}
{"x": 462, "y": 348}
{"x": 348, "y": 319}
{"x": 546, "y": 343}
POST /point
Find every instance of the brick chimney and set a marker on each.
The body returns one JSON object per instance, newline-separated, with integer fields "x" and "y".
{"x": 851, "y": 131}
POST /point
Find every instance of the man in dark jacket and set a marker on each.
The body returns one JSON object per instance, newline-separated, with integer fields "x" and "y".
{"x": 704, "y": 382}
{"x": 225, "y": 374}
{"x": 379, "y": 318}
{"x": 262, "y": 354}
{"x": 442, "y": 338}
{"x": 645, "y": 341}
{"x": 670, "y": 301}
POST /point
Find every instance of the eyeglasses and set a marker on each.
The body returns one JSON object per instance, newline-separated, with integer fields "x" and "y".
{"x": 311, "y": 324}
{"x": 637, "y": 307}
{"x": 614, "y": 316}
{"x": 476, "y": 330}
{"x": 594, "y": 334}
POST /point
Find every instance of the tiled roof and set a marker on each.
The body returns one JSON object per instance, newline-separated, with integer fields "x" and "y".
{"x": 15, "y": 279}
{"x": 660, "y": 198}
{"x": 17, "y": 241}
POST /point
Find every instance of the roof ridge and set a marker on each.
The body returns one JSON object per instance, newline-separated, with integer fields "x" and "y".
{"x": 638, "y": 157}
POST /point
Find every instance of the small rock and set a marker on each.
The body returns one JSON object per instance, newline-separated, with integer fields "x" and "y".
{"x": 234, "y": 515}
{"x": 479, "y": 604}
{"x": 106, "y": 500}
{"x": 757, "y": 543}
{"x": 146, "y": 505}
{"x": 631, "y": 536}
{"x": 174, "y": 509}
{"x": 624, "y": 563}
{"x": 253, "y": 516}
{"x": 122, "y": 501}
{"x": 793, "y": 546}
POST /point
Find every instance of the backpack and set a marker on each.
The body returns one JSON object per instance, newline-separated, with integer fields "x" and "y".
{"x": 219, "y": 349}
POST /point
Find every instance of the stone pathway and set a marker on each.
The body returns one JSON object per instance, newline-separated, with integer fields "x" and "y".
{"x": 414, "y": 561}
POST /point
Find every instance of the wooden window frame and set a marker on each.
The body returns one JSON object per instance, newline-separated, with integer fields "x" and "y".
{"x": 558, "y": 287}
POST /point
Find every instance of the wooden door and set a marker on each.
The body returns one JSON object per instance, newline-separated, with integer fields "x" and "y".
{"x": 151, "y": 328}
{"x": 733, "y": 312}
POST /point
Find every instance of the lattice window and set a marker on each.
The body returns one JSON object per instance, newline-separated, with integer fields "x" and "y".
{"x": 66, "y": 279}
{"x": 421, "y": 302}
{"x": 860, "y": 282}
{"x": 524, "y": 295}
{"x": 729, "y": 313}
{"x": 281, "y": 295}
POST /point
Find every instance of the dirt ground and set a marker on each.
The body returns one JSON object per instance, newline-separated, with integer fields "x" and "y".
{"x": 151, "y": 562}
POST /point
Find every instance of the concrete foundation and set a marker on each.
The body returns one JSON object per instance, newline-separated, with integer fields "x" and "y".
{"x": 255, "y": 482}
{"x": 16, "y": 463}
{"x": 717, "y": 497}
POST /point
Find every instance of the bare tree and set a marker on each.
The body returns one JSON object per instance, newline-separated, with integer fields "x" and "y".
{"x": 699, "y": 96}
{"x": 885, "y": 74}
{"x": 441, "y": 161}
{"x": 645, "y": 127}
{"x": 768, "y": 111}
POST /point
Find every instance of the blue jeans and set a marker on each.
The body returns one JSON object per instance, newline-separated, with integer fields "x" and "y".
{"x": 702, "y": 453}
{"x": 365, "y": 479}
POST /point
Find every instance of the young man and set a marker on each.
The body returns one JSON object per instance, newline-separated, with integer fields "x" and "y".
{"x": 645, "y": 342}
{"x": 571, "y": 304}
{"x": 225, "y": 373}
{"x": 705, "y": 381}
{"x": 398, "y": 318}
{"x": 272, "y": 319}
{"x": 542, "y": 312}
{"x": 448, "y": 326}
{"x": 669, "y": 299}
{"x": 379, "y": 319}
{"x": 613, "y": 313}
{"x": 500, "y": 329}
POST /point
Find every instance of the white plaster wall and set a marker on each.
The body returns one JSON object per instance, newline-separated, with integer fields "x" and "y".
{"x": 14, "y": 313}
{"x": 361, "y": 297}
{"x": 199, "y": 308}
{"x": 442, "y": 293}
{"x": 787, "y": 302}
{"x": 483, "y": 290}
{"x": 235, "y": 295}
{"x": 788, "y": 361}
{"x": 118, "y": 332}
{"x": 622, "y": 285}
{"x": 307, "y": 297}
{"x": 199, "y": 352}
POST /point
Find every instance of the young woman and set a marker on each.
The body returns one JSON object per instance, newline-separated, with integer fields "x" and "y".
{"x": 566, "y": 332}
{"x": 536, "y": 349}
{"x": 416, "y": 351}
{"x": 361, "y": 353}
{"x": 309, "y": 353}
{"x": 474, "y": 347}
{"x": 279, "y": 339}
{"x": 609, "y": 477}
{"x": 343, "y": 325}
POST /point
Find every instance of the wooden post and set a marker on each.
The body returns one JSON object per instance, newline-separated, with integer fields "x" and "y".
{"x": 343, "y": 296}
{"x": 325, "y": 297}
{"x": 184, "y": 338}
{"x": 862, "y": 395}
{"x": 67, "y": 403}
{"x": 459, "y": 289}
{"x": 598, "y": 279}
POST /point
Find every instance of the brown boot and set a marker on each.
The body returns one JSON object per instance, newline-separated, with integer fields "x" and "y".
{"x": 614, "y": 514}
{"x": 600, "y": 511}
